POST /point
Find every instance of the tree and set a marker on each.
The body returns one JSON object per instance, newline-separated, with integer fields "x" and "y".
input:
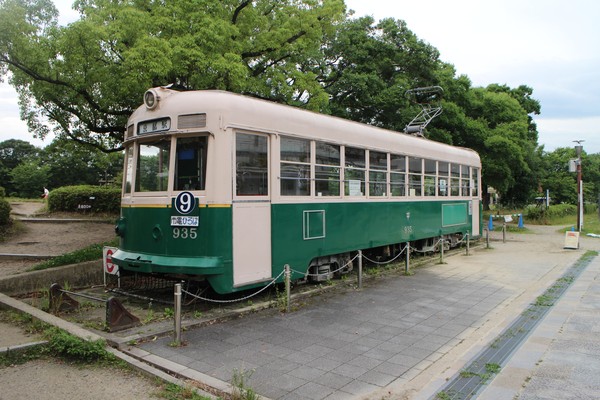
{"x": 557, "y": 178}
{"x": 12, "y": 153}
{"x": 85, "y": 79}
{"x": 371, "y": 66}
{"x": 30, "y": 178}
{"x": 70, "y": 164}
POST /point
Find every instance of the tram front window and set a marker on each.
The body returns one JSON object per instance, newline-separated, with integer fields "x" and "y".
{"x": 152, "y": 172}
{"x": 190, "y": 164}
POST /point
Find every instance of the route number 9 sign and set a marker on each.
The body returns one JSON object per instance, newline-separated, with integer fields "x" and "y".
{"x": 185, "y": 203}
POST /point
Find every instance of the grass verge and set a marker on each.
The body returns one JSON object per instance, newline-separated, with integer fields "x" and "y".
{"x": 89, "y": 253}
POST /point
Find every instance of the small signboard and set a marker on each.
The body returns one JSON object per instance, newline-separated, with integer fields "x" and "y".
{"x": 109, "y": 267}
{"x": 571, "y": 240}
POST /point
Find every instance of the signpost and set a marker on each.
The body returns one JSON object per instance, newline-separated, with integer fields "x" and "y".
{"x": 109, "y": 267}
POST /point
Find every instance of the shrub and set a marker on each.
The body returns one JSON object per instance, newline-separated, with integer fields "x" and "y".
{"x": 534, "y": 213}
{"x": 561, "y": 210}
{"x": 4, "y": 212}
{"x": 85, "y": 198}
{"x": 2, "y": 192}
{"x": 590, "y": 208}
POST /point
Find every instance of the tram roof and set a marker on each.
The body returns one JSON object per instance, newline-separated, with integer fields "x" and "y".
{"x": 231, "y": 110}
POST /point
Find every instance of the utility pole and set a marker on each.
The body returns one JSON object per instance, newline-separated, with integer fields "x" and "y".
{"x": 578, "y": 150}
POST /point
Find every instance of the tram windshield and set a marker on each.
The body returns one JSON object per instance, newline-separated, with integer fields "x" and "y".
{"x": 190, "y": 164}
{"x": 152, "y": 172}
{"x": 179, "y": 162}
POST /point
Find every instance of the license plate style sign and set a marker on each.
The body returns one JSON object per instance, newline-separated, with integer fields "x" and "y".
{"x": 184, "y": 221}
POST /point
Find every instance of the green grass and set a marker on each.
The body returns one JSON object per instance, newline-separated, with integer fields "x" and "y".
{"x": 89, "y": 253}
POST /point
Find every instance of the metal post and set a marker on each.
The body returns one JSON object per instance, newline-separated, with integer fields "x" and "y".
{"x": 441, "y": 250}
{"x": 504, "y": 232}
{"x": 178, "y": 313}
{"x": 360, "y": 269}
{"x": 407, "y": 264}
{"x": 578, "y": 150}
{"x": 468, "y": 243}
{"x": 287, "y": 288}
{"x": 487, "y": 238}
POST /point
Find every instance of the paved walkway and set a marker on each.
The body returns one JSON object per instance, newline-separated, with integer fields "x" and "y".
{"x": 561, "y": 358}
{"x": 399, "y": 337}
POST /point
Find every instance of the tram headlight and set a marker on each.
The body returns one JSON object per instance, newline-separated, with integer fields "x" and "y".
{"x": 151, "y": 99}
{"x": 120, "y": 227}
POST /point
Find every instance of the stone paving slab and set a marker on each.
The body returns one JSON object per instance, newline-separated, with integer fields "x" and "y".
{"x": 561, "y": 358}
{"x": 395, "y": 337}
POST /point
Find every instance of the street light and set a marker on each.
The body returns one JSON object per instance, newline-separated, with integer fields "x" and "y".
{"x": 578, "y": 150}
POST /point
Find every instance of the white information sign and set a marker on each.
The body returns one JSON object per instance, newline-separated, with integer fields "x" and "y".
{"x": 571, "y": 240}
{"x": 184, "y": 221}
{"x": 354, "y": 187}
{"x": 109, "y": 266}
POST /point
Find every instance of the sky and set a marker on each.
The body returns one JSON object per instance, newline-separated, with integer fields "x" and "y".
{"x": 552, "y": 46}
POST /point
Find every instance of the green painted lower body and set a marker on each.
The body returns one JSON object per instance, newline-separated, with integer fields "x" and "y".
{"x": 349, "y": 227}
{"x": 299, "y": 233}
{"x": 150, "y": 245}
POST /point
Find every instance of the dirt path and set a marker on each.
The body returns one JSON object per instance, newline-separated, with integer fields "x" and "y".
{"x": 48, "y": 239}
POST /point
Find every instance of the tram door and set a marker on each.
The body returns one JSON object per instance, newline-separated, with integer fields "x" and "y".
{"x": 475, "y": 217}
{"x": 475, "y": 203}
{"x": 251, "y": 210}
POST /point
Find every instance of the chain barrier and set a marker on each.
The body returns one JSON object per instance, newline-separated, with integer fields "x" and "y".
{"x": 385, "y": 262}
{"x": 195, "y": 296}
{"x": 331, "y": 272}
{"x": 464, "y": 239}
{"x": 429, "y": 251}
{"x": 235, "y": 300}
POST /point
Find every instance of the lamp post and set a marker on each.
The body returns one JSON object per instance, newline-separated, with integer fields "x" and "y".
{"x": 578, "y": 150}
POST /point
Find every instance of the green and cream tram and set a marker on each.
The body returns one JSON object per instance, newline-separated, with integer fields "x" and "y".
{"x": 228, "y": 188}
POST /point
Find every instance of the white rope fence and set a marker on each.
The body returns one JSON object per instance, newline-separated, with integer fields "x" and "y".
{"x": 385, "y": 262}
{"x": 235, "y": 300}
{"x": 330, "y": 272}
{"x": 306, "y": 274}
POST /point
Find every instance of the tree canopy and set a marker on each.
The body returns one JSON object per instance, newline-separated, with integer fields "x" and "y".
{"x": 83, "y": 80}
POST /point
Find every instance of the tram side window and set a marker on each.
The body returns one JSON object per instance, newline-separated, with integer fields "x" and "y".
{"x": 378, "y": 166}
{"x": 190, "y": 164}
{"x": 465, "y": 177}
{"x": 429, "y": 178}
{"x": 475, "y": 181}
{"x": 327, "y": 169}
{"x": 295, "y": 167}
{"x": 152, "y": 172}
{"x": 397, "y": 175}
{"x": 128, "y": 168}
{"x": 354, "y": 172}
{"x": 455, "y": 180}
{"x": 252, "y": 173}
{"x": 443, "y": 182}
{"x": 415, "y": 177}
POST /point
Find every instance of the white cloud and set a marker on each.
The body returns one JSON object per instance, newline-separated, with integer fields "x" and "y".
{"x": 556, "y": 133}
